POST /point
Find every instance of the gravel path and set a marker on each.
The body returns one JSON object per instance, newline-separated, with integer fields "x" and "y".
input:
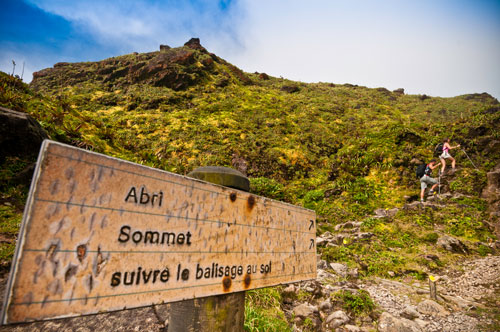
{"x": 473, "y": 285}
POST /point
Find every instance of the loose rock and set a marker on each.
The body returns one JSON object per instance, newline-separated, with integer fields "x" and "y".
{"x": 325, "y": 305}
{"x": 305, "y": 310}
{"x": 429, "y": 307}
{"x": 451, "y": 244}
{"x": 20, "y": 134}
{"x": 339, "y": 269}
{"x": 410, "y": 312}
{"x": 389, "y": 323}
{"x": 337, "y": 318}
{"x": 351, "y": 328}
{"x": 381, "y": 213}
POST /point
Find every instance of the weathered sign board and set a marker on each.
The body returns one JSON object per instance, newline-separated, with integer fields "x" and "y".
{"x": 102, "y": 234}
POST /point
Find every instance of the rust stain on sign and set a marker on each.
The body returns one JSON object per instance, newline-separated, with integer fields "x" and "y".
{"x": 100, "y": 234}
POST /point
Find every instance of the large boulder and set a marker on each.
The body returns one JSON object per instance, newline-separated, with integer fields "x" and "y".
{"x": 408, "y": 137}
{"x": 339, "y": 269}
{"x": 410, "y": 312}
{"x": 383, "y": 213}
{"x": 263, "y": 76}
{"x": 389, "y": 323}
{"x": 492, "y": 191}
{"x": 451, "y": 244}
{"x": 305, "y": 310}
{"x": 336, "y": 319}
{"x": 290, "y": 88}
{"x": 289, "y": 294}
{"x": 399, "y": 91}
{"x": 20, "y": 135}
{"x": 490, "y": 146}
{"x": 195, "y": 44}
{"x": 431, "y": 308}
{"x": 352, "y": 328}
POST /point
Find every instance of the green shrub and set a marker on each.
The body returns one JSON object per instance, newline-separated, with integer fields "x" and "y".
{"x": 267, "y": 187}
{"x": 337, "y": 254}
{"x": 11, "y": 220}
{"x": 370, "y": 223}
{"x": 474, "y": 202}
{"x": 399, "y": 240}
{"x": 10, "y": 167}
{"x": 362, "y": 190}
{"x": 430, "y": 237}
{"x": 466, "y": 226}
{"x": 380, "y": 262}
{"x": 357, "y": 303}
{"x": 469, "y": 182}
{"x": 308, "y": 325}
{"x": 419, "y": 275}
{"x": 7, "y": 251}
{"x": 312, "y": 197}
{"x": 262, "y": 311}
{"x": 484, "y": 250}
{"x": 423, "y": 220}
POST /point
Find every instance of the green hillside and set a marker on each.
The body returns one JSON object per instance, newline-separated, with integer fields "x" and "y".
{"x": 341, "y": 150}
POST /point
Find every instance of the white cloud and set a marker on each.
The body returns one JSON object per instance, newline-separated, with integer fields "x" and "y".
{"x": 421, "y": 46}
{"x": 143, "y": 25}
{"x": 436, "y": 48}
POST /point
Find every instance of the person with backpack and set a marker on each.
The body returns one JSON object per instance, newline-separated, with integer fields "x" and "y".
{"x": 446, "y": 155}
{"x": 424, "y": 173}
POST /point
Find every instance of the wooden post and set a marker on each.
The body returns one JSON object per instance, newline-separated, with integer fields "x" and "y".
{"x": 432, "y": 287}
{"x": 214, "y": 313}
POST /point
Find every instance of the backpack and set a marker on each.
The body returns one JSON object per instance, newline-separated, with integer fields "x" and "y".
{"x": 420, "y": 171}
{"x": 438, "y": 150}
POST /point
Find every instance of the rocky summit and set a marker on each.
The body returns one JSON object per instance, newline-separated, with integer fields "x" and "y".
{"x": 176, "y": 69}
{"x": 347, "y": 152}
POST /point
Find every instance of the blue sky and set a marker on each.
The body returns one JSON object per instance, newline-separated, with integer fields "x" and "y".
{"x": 437, "y": 47}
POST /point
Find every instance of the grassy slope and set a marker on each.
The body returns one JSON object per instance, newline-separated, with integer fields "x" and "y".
{"x": 341, "y": 150}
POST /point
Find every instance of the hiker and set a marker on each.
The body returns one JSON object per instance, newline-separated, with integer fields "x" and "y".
{"x": 426, "y": 179}
{"x": 446, "y": 155}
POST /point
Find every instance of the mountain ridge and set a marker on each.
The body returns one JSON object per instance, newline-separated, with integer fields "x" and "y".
{"x": 174, "y": 68}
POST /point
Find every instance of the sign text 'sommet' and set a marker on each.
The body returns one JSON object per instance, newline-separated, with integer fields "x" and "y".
{"x": 102, "y": 234}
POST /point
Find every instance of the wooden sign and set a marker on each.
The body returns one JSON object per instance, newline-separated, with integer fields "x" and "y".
{"x": 102, "y": 234}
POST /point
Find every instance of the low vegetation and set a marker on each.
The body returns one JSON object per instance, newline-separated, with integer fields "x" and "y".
{"x": 341, "y": 150}
{"x": 263, "y": 311}
{"x": 357, "y": 303}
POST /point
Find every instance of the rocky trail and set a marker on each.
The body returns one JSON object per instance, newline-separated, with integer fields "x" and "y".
{"x": 461, "y": 297}
{"x": 467, "y": 301}
{"x": 468, "y": 294}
